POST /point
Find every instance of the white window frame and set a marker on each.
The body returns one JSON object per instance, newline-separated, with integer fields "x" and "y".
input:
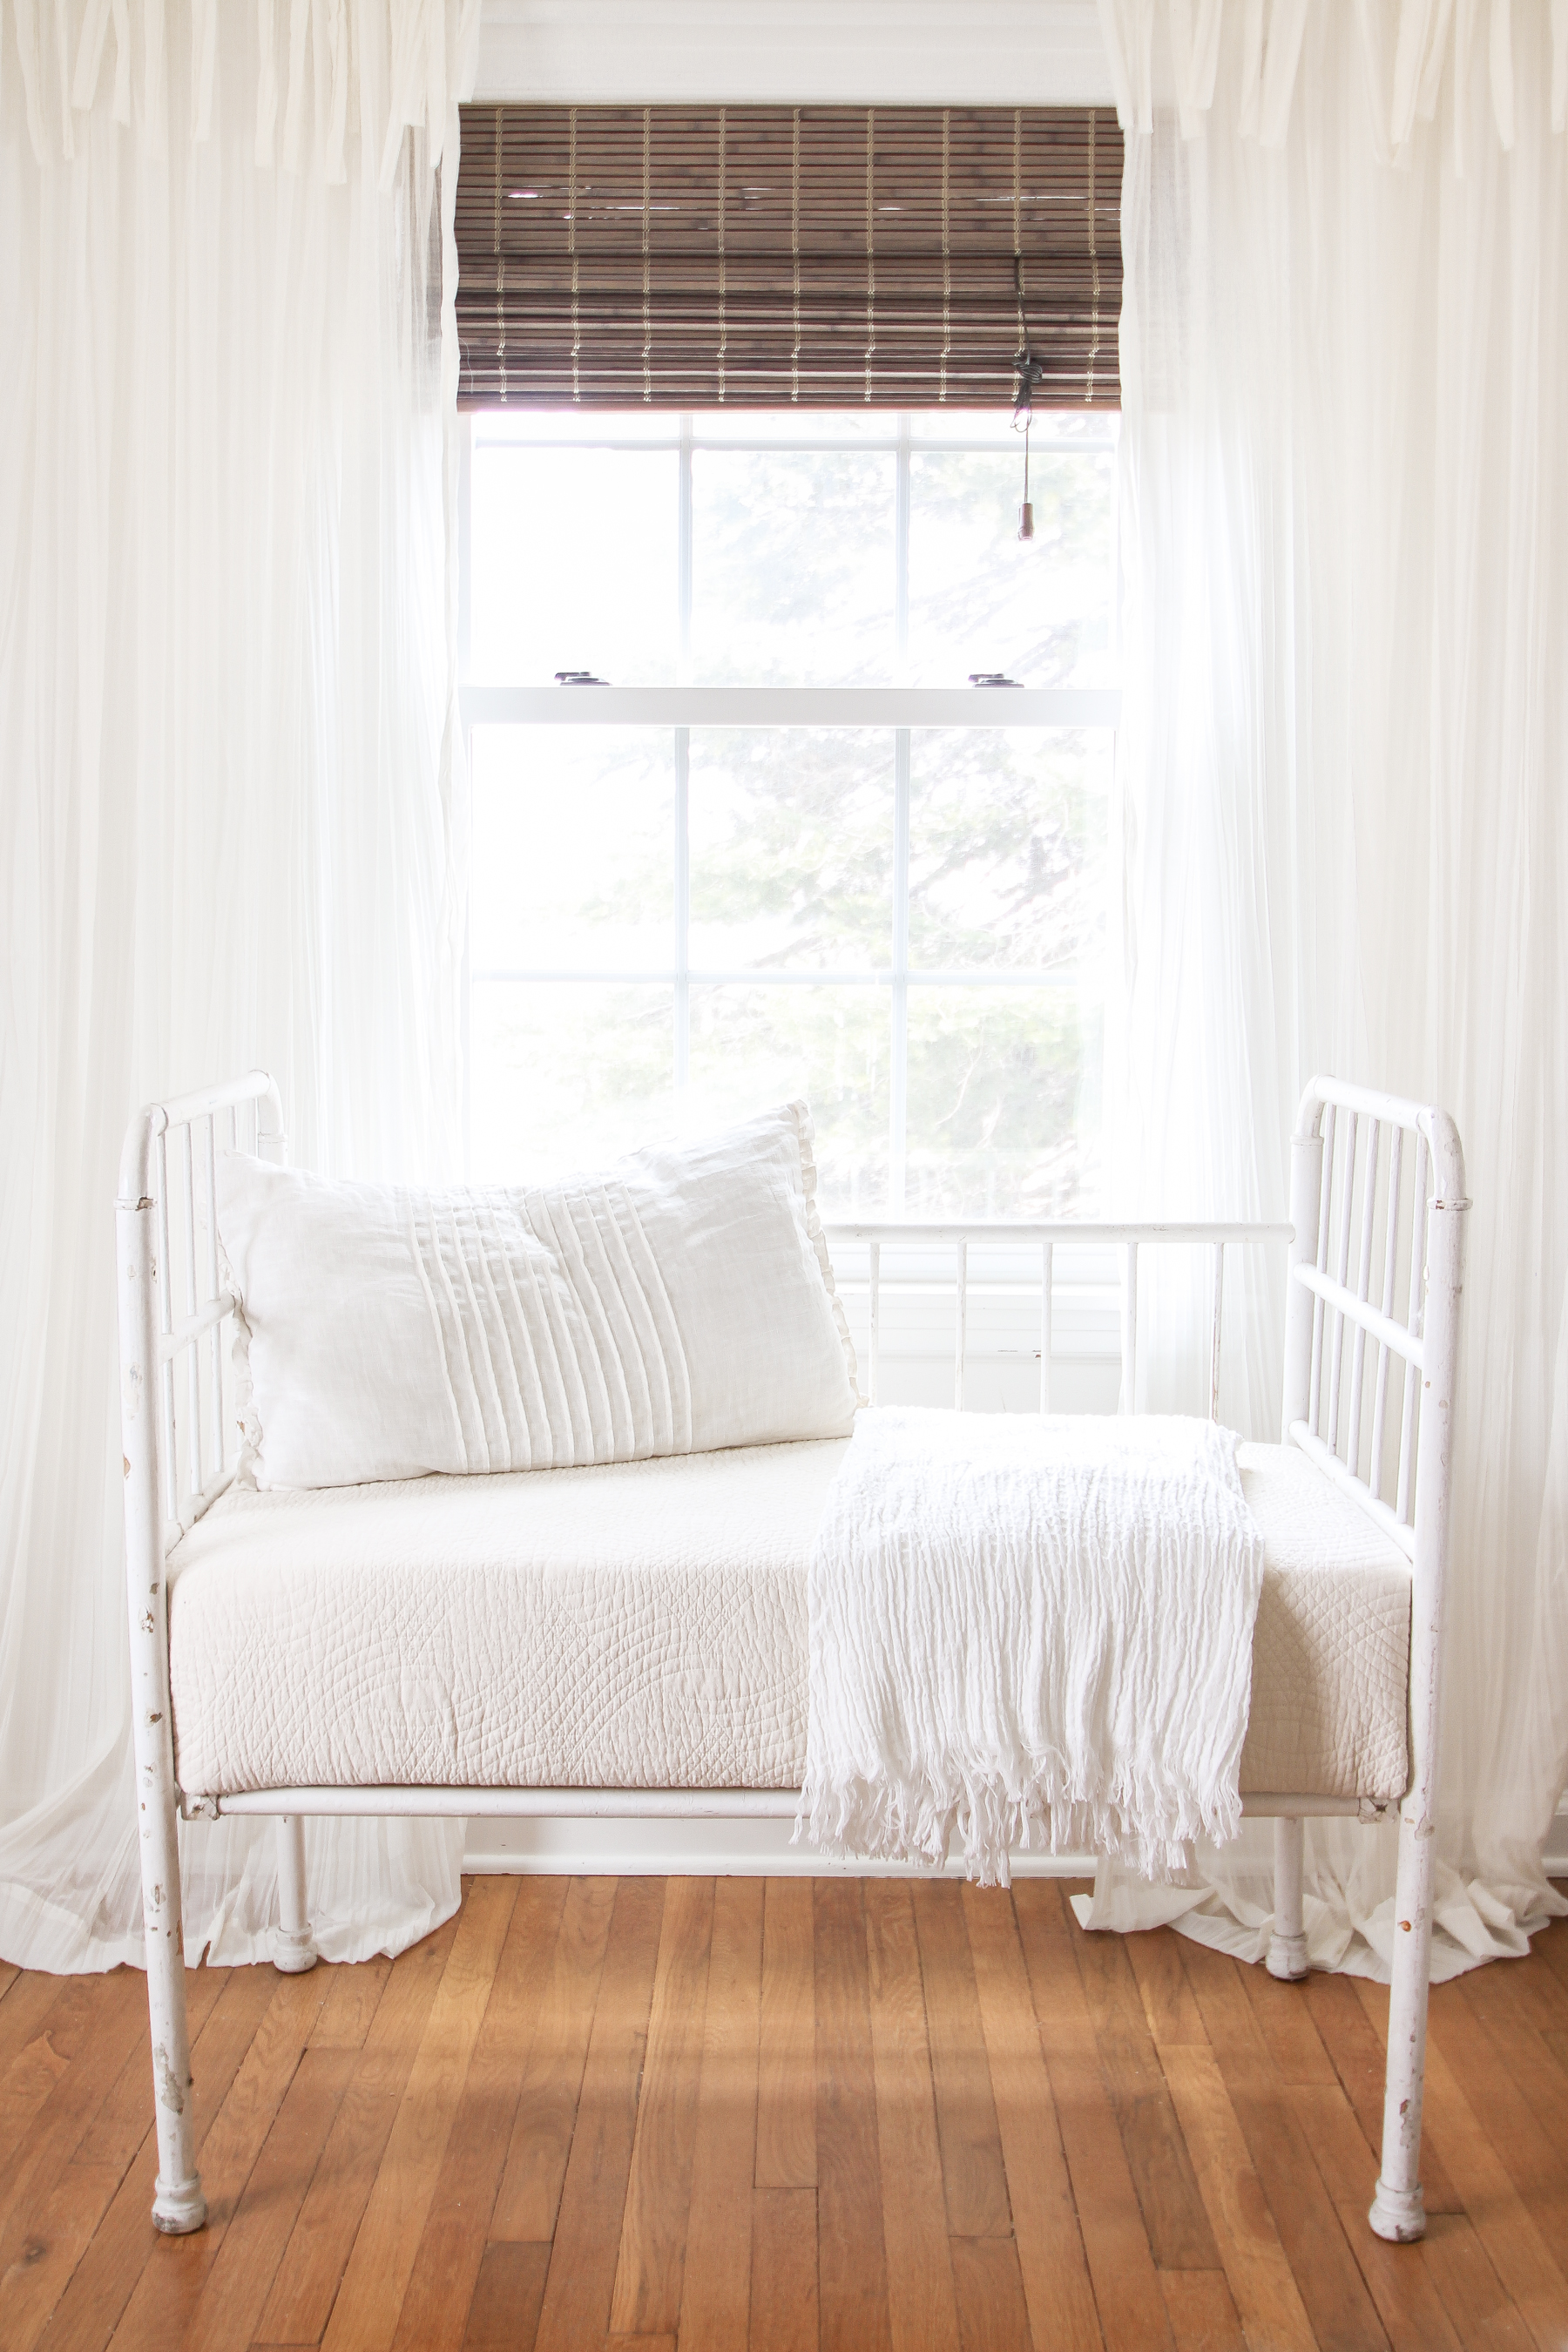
{"x": 898, "y": 708}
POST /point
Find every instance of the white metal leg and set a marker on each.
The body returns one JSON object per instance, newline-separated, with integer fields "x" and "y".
{"x": 293, "y": 1946}
{"x": 178, "y": 2204}
{"x": 1397, "y": 2211}
{"x": 1287, "y": 1944}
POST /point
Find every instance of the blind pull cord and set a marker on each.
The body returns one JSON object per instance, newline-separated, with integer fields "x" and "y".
{"x": 1027, "y": 374}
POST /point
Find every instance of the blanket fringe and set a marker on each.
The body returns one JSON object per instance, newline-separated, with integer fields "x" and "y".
{"x": 1150, "y": 1826}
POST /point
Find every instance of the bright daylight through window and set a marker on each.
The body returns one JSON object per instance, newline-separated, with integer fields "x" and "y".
{"x": 775, "y": 853}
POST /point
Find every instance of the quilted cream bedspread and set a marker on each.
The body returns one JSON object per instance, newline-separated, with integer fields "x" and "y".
{"x": 644, "y": 1624}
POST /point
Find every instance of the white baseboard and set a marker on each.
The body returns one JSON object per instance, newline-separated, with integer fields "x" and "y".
{"x": 1556, "y": 1854}
{"x": 622, "y": 1849}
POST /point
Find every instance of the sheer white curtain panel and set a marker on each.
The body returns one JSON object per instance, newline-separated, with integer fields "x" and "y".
{"x": 231, "y": 789}
{"x": 1344, "y": 845}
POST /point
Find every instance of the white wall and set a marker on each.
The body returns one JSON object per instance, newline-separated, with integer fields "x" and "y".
{"x": 797, "y": 52}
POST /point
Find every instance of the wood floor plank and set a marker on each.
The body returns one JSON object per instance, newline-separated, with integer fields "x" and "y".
{"x": 1502, "y": 2221}
{"x": 547, "y": 2105}
{"x": 974, "y": 2177}
{"x": 786, "y": 2077}
{"x": 1290, "y": 2031}
{"x": 716, "y": 2287}
{"x": 36, "y": 2068}
{"x": 237, "y": 2284}
{"x": 125, "y": 2118}
{"x": 503, "y": 2315}
{"x": 1169, "y": 2009}
{"x": 1399, "y": 2277}
{"x": 1347, "y": 2035}
{"x": 61, "y": 2079}
{"x": 59, "y": 2236}
{"x": 1538, "y": 1984}
{"x": 1551, "y": 1946}
{"x": 33, "y": 2284}
{"x": 851, "y": 2266}
{"x": 48, "y": 2212}
{"x": 125, "y": 2111}
{"x": 365, "y": 2311}
{"x": 580, "y": 2278}
{"x": 992, "y": 2315}
{"x": 24, "y": 2011}
{"x": 301, "y": 2302}
{"x": 1051, "y": 2255}
{"x": 782, "y": 2315}
{"x": 1115, "y": 1973}
{"x": 1513, "y": 2043}
{"x": 300, "y": 2083}
{"x": 923, "y": 2308}
{"x": 233, "y": 2001}
{"x": 167, "y": 2294}
{"x": 646, "y": 2299}
{"x": 1259, "y": 2276}
{"x": 446, "y": 2267}
{"x": 9, "y": 1972}
{"x": 1483, "y": 2312}
{"x": 1327, "y": 2274}
{"x": 1202, "y": 2312}
{"x": 354, "y": 1995}
{"x": 1120, "y": 2266}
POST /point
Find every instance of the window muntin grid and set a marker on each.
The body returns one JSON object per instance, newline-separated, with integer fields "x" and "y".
{"x": 867, "y": 974}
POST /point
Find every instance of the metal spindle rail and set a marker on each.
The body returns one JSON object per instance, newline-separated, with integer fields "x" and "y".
{"x": 956, "y": 1241}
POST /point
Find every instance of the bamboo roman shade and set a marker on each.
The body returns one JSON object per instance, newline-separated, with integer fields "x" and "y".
{"x": 765, "y": 255}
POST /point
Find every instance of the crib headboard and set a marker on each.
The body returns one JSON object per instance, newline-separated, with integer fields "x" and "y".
{"x": 173, "y": 1309}
{"x": 1377, "y": 1202}
{"x": 1377, "y": 1208}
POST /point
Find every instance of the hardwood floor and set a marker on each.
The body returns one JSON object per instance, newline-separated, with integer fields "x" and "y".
{"x": 855, "y": 2114}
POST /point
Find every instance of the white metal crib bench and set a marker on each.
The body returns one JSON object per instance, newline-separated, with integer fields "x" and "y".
{"x": 1364, "y": 1167}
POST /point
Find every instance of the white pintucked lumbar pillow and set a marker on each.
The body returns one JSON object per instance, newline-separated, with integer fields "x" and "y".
{"x": 681, "y": 1301}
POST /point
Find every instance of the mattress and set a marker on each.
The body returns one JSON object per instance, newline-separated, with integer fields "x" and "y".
{"x": 644, "y": 1624}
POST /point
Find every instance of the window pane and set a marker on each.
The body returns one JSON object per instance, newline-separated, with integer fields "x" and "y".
{"x": 1003, "y": 1088}
{"x": 1091, "y": 429}
{"x": 752, "y": 1047}
{"x": 573, "y": 850}
{"x": 979, "y": 597}
{"x": 792, "y": 848}
{"x": 511, "y": 425}
{"x": 566, "y": 1075}
{"x": 792, "y": 576}
{"x": 1008, "y": 849}
{"x": 804, "y": 425}
{"x": 574, "y": 565}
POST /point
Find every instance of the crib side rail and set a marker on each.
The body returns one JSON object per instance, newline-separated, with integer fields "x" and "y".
{"x": 954, "y": 1242}
{"x": 179, "y": 1433}
{"x": 1377, "y": 1203}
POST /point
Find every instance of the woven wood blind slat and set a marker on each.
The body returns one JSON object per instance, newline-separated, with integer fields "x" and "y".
{"x": 615, "y": 258}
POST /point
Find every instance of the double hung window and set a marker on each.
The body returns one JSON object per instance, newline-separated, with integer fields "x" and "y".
{"x": 786, "y": 848}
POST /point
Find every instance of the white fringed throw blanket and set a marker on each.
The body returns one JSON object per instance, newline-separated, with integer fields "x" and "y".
{"x": 1032, "y": 1633}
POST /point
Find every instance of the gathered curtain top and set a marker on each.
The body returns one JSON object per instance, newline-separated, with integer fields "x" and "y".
{"x": 1409, "y": 46}
{"x": 330, "y": 75}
